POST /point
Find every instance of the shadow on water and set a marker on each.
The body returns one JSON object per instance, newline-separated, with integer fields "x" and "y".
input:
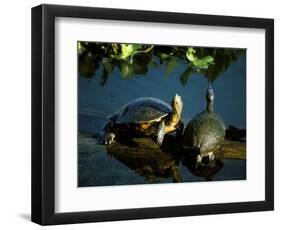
{"x": 206, "y": 171}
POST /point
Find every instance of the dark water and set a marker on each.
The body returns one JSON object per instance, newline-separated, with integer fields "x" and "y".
{"x": 98, "y": 167}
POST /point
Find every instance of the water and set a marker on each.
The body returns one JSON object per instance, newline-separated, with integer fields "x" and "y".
{"x": 98, "y": 167}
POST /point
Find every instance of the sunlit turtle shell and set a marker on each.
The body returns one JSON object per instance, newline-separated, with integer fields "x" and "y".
{"x": 141, "y": 110}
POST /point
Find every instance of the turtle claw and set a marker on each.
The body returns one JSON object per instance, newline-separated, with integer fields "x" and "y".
{"x": 160, "y": 133}
{"x": 160, "y": 140}
{"x": 108, "y": 138}
{"x": 211, "y": 156}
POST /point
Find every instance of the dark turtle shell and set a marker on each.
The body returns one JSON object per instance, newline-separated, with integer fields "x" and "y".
{"x": 141, "y": 110}
{"x": 204, "y": 133}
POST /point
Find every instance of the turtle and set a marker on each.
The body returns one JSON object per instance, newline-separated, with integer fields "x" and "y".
{"x": 205, "y": 133}
{"x": 145, "y": 116}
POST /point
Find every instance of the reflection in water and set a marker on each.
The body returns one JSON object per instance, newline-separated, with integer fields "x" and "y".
{"x": 206, "y": 170}
{"x": 146, "y": 158}
{"x": 153, "y": 162}
{"x": 140, "y": 160}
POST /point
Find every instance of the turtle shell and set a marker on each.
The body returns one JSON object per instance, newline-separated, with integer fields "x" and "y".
{"x": 141, "y": 110}
{"x": 204, "y": 133}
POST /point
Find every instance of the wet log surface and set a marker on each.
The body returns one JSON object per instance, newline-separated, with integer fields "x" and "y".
{"x": 232, "y": 150}
{"x": 146, "y": 147}
{"x": 146, "y": 158}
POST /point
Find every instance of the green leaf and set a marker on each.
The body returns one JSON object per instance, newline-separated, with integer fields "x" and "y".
{"x": 163, "y": 56}
{"x": 126, "y": 70}
{"x": 107, "y": 64}
{"x": 200, "y": 64}
{"x": 172, "y": 64}
{"x": 190, "y": 54}
{"x": 203, "y": 63}
{"x": 86, "y": 65}
{"x": 185, "y": 75}
{"x": 80, "y": 48}
{"x": 115, "y": 48}
{"x": 127, "y": 50}
{"x": 208, "y": 59}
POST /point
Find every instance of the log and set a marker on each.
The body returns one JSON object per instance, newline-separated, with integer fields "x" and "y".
{"x": 144, "y": 156}
{"x": 232, "y": 150}
{"x": 229, "y": 150}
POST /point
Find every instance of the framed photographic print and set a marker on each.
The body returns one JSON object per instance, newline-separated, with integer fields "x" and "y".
{"x": 143, "y": 114}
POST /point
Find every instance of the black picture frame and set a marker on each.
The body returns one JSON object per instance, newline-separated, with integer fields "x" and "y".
{"x": 43, "y": 110}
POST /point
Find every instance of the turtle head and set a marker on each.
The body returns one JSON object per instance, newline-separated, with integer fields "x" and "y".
{"x": 210, "y": 97}
{"x": 177, "y": 104}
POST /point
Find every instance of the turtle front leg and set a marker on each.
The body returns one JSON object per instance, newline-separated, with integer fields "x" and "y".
{"x": 160, "y": 133}
{"x": 180, "y": 129}
{"x": 211, "y": 156}
{"x": 108, "y": 138}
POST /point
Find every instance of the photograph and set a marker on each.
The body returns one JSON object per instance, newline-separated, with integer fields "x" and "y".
{"x": 143, "y": 113}
{"x": 150, "y": 114}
